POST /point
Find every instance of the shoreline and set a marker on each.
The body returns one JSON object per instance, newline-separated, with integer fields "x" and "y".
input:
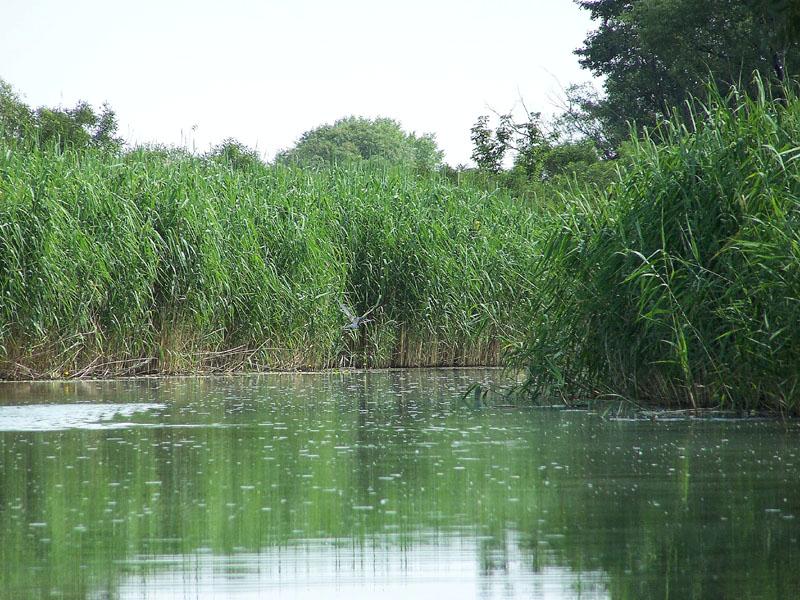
{"x": 627, "y": 410}
{"x": 247, "y": 373}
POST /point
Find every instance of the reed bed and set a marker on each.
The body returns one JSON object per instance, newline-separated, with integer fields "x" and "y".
{"x": 156, "y": 261}
{"x": 680, "y": 284}
{"x": 677, "y": 285}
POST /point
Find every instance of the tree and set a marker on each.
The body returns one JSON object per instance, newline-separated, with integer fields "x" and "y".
{"x": 528, "y": 140}
{"x": 76, "y": 127}
{"x": 16, "y": 119}
{"x": 780, "y": 20}
{"x": 357, "y": 139}
{"x": 489, "y": 148}
{"x": 532, "y": 142}
{"x": 585, "y": 116}
{"x": 543, "y": 153}
{"x": 569, "y": 157}
{"x": 427, "y": 155}
{"x": 234, "y": 154}
{"x": 655, "y": 54}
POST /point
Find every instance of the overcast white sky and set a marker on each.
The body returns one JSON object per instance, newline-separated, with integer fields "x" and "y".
{"x": 266, "y": 71}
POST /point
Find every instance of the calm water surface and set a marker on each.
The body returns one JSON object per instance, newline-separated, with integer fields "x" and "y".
{"x": 384, "y": 484}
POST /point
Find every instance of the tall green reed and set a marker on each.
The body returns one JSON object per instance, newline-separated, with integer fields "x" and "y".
{"x": 680, "y": 284}
{"x": 159, "y": 261}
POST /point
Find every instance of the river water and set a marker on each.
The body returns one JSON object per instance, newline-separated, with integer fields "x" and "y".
{"x": 360, "y": 485}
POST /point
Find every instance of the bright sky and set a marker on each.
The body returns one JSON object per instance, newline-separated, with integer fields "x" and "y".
{"x": 193, "y": 72}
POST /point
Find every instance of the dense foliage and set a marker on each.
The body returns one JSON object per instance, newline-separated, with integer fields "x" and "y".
{"x": 546, "y": 157}
{"x": 157, "y": 260}
{"x": 355, "y": 139}
{"x": 75, "y": 128}
{"x": 681, "y": 283}
{"x": 656, "y": 54}
{"x": 660, "y": 267}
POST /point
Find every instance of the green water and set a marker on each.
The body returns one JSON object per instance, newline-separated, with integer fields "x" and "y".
{"x": 383, "y": 484}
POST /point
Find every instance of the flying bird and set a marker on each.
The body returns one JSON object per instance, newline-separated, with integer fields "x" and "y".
{"x": 355, "y": 321}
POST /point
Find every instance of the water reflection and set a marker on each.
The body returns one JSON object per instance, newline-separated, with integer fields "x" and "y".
{"x": 353, "y": 484}
{"x": 433, "y": 567}
{"x": 54, "y": 417}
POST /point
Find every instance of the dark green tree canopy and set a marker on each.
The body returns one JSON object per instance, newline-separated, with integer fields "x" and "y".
{"x": 235, "y": 154}
{"x": 16, "y": 118}
{"x": 489, "y": 147}
{"x": 654, "y": 54}
{"x": 356, "y": 139}
{"x": 541, "y": 151}
{"x": 78, "y": 127}
{"x": 528, "y": 140}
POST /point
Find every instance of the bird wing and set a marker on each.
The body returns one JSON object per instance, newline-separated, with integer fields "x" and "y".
{"x": 347, "y": 312}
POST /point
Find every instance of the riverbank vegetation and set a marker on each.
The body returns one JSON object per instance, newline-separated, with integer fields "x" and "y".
{"x": 159, "y": 261}
{"x": 680, "y": 283}
{"x": 661, "y": 266}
